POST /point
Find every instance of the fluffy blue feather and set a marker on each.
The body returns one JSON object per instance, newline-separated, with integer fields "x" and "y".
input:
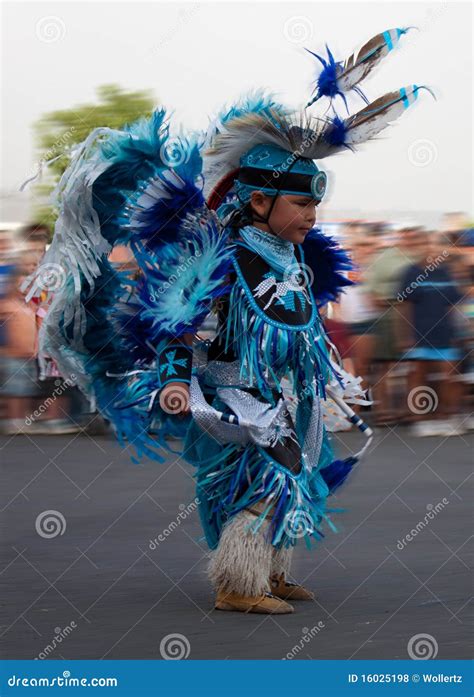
{"x": 328, "y": 261}
{"x": 155, "y": 212}
{"x": 336, "y": 132}
{"x": 255, "y": 102}
{"x": 133, "y": 155}
{"x": 181, "y": 282}
{"x": 326, "y": 82}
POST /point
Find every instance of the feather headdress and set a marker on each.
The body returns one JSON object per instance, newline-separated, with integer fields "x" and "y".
{"x": 259, "y": 120}
{"x": 303, "y": 135}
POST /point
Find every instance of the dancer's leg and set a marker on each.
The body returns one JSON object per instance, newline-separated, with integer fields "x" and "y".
{"x": 242, "y": 561}
{"x": 240, "y": 568}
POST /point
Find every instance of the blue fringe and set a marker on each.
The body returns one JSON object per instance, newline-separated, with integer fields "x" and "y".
{"x": 230, "y": 479}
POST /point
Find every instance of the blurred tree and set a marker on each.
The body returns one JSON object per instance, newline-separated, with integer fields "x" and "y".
{"x": 57, "y": 131}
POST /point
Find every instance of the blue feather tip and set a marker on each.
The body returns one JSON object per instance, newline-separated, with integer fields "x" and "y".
{"x": 337, "y": 472}
{"x": 326, "y": 82}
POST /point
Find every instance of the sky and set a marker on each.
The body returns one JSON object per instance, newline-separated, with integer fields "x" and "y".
{"x": 196, "y": 57}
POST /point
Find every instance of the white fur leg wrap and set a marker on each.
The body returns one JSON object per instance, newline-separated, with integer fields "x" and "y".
{"x": 242, "y": 561}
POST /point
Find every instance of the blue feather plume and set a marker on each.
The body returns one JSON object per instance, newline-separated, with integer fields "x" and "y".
{"x": 339, "y": 77}
{"x": 337, "y": 472}
{"x": 327, "y": 261}
{"x": 155, "y": 212}
{"x": 178, "y": 287}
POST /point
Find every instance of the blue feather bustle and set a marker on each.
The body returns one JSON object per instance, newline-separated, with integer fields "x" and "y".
{"x": 149, "y": 196}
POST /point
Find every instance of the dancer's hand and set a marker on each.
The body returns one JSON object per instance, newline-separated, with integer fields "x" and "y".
{"x": 174, "y": 398}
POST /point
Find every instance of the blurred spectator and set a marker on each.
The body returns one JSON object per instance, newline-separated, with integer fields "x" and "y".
{"x": 356, "y": 307}
{"x": 28, "y": 405}
{"x": 35, "y": 238}
{"x": 428, "y": 337}
{"x": 18, "y": 355}
{"x": 383, "y": 281}
{"x": 7, "y": 267}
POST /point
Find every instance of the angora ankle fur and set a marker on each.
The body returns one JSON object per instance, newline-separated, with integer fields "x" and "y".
{"x": 243, "y": 559}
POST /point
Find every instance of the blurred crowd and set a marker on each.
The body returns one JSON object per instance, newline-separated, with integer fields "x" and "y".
{"x": 406, "y": 327}
{"x": 28, "y": 404}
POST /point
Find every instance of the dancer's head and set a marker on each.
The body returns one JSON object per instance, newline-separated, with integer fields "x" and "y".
{"x": 281, "y": 191}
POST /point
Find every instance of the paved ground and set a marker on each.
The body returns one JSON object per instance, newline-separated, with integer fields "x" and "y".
{"x": 102, "y": 588}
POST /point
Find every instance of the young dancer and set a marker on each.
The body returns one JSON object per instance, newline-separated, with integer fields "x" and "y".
{"x": 224, "y": 222}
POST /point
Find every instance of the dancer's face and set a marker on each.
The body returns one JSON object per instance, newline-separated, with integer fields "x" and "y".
{"x": 291, "y": 218}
